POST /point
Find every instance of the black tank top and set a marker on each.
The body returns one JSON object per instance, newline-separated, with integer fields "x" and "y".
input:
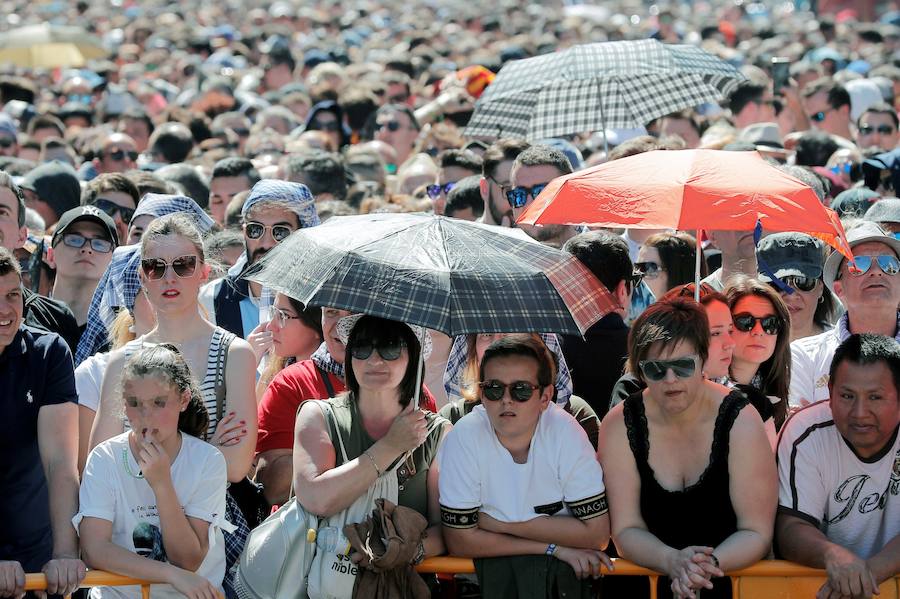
{"x": 700, "y": 514}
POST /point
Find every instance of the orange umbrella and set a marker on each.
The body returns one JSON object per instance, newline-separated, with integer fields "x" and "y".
{"x": 687, "y": 189}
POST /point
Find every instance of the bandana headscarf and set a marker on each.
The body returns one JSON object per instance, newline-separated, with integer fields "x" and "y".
{"x": 296, "y": 196}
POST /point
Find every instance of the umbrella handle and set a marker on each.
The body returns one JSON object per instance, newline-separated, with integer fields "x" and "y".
{"x": 419, "y": 368}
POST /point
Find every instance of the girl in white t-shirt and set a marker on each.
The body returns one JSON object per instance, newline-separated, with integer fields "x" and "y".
{"x": 152, "y": 499}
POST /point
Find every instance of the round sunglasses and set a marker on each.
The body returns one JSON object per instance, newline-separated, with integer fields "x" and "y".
{"x": 255, "y": 230}
{"x": 520, "y": 391}
{"x": 860, "y": 265}
{"x": 745, "y": 322}
{"x": 74, "y": 240}
{"x": 389, "y": 351}
{"x": 655, "y": 370}
{"x": 434, "y": 191}
{"x": 155, "y": 268}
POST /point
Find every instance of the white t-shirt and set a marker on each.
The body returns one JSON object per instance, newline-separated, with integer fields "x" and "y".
{"x": 89, "y": 380}
{"x": 562, "y": 475}
{"x": 854, "y": 502}
{"x": 110, "y": 493}
{"x": 810, "y": 363}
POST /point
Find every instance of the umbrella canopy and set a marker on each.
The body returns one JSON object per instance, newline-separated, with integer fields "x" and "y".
{"x": 444, "y": 274}
{"x": 49, "y": 46}
{"x": 687, "y": 189}
{"x": 593, "y": 87}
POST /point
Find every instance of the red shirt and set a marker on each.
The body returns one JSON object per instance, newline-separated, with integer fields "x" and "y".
{"x": 298, "y": 382}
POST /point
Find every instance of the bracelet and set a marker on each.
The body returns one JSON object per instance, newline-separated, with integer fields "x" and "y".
{"x": 374, "y": 463}
{"x": 551, "y": 549}
{"x": 715, "y": 560}
{"x": 419, "y": 557}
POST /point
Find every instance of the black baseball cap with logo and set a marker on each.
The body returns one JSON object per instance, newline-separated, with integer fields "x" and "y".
{"x": 86, "y": 213}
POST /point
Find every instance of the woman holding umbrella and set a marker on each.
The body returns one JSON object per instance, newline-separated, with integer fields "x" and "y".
{"x": 690, "y": 474}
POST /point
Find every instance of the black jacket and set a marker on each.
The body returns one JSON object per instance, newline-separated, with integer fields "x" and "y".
{"x": 52, "y": 315}
{"x": 596, "y": 361}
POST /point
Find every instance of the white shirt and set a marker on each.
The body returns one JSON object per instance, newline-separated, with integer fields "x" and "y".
{"x": 89, "y": 380}
{"x": 110, "y": 492}
{"x": 855, "y": 502}
{"x": 561, "y": 476}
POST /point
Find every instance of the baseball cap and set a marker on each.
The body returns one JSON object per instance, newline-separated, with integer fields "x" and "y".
{"x": 791, "y": 254}
{"x": 55, "y": 183}
{"x": 864, "y": 232}
{"x": 85, "y": 213}
{"x": 884, "y": 211}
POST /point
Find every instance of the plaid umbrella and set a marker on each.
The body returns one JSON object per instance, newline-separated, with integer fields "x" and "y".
{"x": 444, "y": 274}
{"x": 592, "y": 87}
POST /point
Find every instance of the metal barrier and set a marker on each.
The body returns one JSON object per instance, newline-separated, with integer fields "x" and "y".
{"x": 769, "y": 579}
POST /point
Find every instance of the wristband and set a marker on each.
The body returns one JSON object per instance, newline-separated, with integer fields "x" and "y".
{"x": 551, "y": 549}
{"x": 374, "y": 463}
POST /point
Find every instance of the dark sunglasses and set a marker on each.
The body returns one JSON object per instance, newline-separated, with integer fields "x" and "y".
{"x": 389, "y": 351}
{"x": 256, "y": 230}
{"x": 746, "y": 322}
{"x": 389, "y": 125}
{"x": 882, "y": 129}
{"x": 518, "y": 196}
{"x": 860, "y": 265}
{"x": 119, "y": 155}
{"x": 655, "y": 370}
{"x": 74, "y": 240}
{"x": 434, "y": 191}
{"x": 7, "y": 142}
{"x": 327, "y": 126}
{"x": 650, "y": 270}
{"x": 520, "y": 391}
{"x": 798, "y": 282}
{"x": 111, "y": 208}
{"x": 155, "y": 268}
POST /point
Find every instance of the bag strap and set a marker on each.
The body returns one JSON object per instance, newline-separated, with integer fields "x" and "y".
{"x": 225, "y": 339}
{"x": 325, "y": 379}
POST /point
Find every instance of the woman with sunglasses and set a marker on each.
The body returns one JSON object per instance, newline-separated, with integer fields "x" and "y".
{"x": 295, "y": 334}
{"x": 797, "y": 261}
{"x": 520, "y": 484}
{"x": 690, "y": 474}
{"x": 376, "y": 424}
{"x": 668, "y": 260}
{"x": 762, "y": 345}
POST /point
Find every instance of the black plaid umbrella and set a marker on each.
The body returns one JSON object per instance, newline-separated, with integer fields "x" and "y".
{"x": 592, "y": 87}
{"x": 444, "y": 274}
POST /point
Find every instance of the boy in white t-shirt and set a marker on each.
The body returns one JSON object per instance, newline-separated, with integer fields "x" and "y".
{"x": 520, "y": 478}
{"x": 839, "y": 471}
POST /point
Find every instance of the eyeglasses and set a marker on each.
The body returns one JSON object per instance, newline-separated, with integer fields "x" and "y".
{"x": 650, "y": 270}
{"x": 797, "y": 282}
{"x": 820, "y": 116}
{"x": 119, "y": 155}
{"x": 434, "y": 191}
{"x": 74, "y": 240}
{"x": 255, "y": 230}
{"x": 389, "y": 351}
{"x": 326, "y": 126}
{"x": 111, "y": 209}
{"x": 860, "y": 265}
{"x": 747, "y": 322}
{"x": 155, "y": 268}
{"x": 655, "y": 370}
{"x": 280, "y": 316}
{"x": 389, "y": 125}
{"x": 520, "y": 391}
{"x": 882, "y": 129}
{"x": 518, "y": 196}
{"x": 7, "y": 142}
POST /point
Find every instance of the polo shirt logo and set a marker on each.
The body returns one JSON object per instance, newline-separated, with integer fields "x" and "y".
{"x": 28, "y": 396}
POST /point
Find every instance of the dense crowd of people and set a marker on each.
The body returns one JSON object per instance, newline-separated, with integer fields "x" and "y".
{"x": 158, "y": 405}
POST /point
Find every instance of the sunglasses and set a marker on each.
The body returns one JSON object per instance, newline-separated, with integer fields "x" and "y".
{"x": 389, "y": 125}
{"x": 111, "y": 209}
{"x": 798, "y": 282}
{"x": 520, "y": 391}
{"x": 7, "y": 142}
{"x": 650, "y": 270}
{"x": 746, "y": 322}
{"x": 434, "y": 191}
{"x": 655, "y": 370}
{"x": 860, "y": 265}
{"x": 74, "y": 240}
{"x": 327, "y": 126}
{"x": 518, "y": 196}
{"x": 280, "y": 316}
{"x": 119, "y": 155}
{"x": 389, "y": 351}
{"x": 844, "y": 168}
{"x": 255, "y": 230}
{"x": 155, "y": 268}
{"x": 882, "y": 129}
{"x": 819, "y": 116}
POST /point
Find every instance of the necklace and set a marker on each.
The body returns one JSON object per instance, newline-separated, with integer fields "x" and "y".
{"x": 128, "y": 466}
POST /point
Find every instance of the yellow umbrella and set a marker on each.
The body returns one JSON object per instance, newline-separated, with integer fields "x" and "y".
{"x": 49, "y": 46}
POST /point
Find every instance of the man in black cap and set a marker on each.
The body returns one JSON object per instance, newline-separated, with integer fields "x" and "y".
{"x": 81, "y": 249}
{"x": 51, "y": 189}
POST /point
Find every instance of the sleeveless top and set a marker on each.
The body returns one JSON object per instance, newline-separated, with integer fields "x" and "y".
{"x": 215, "y": 372}
{"x": 700, "y": 514}
{"x": 411, "y": 476}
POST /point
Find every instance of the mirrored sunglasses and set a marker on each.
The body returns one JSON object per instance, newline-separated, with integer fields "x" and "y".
{"x": 860, "y": 265}
{"x": 518, "y": 196}
{"x": 798, "y": 282}
{"x": 655, "y": 370}
{"x": 746, "y": 322}
{"x": 155, "y": 268}
{"x": 255, "y": 230}
{"x": 119, "y": 155}
{"x": 389, "y": 351}
{"x": 74, "y": 240}
{"x": 650, "y": 270}
{"x": 434, "y": 191}
{"x": 520, "y": 391}
{"x": 817, "y": 117}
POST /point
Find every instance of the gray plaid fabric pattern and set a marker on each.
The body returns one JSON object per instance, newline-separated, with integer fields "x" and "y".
{"x": 457, "y": 362}
{"x": 443, "y": 274}
{"x": 595, "y": 86}
{"x": 295, "y": 195}
{"x": 158, "y": 204}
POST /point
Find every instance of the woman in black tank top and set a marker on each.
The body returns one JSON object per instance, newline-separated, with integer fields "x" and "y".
{"x": 681, "y": 502}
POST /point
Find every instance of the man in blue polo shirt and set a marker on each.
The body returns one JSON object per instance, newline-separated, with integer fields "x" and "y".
{"x": 39, "y": 445}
